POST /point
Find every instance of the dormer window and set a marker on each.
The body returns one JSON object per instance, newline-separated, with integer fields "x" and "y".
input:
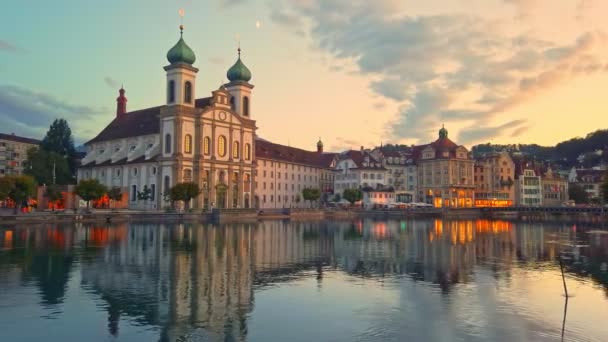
{"x": 132, "y": 148}
{"x": 116, "y": 149}
{"x": 149, "y": 146}
{"x": 102, "y": 151}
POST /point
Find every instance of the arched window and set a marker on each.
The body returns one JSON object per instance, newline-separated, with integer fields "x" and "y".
{"x": 188, "y": 92}
{"x": 232, "y": 104}
{"x": 246, "y": 106}
{"x": 235, "y": 149}
{"x": 221, "y": 146}
{"x": 207, "y": 145}
{"x": 167, "y": 184}
{"x": 168, "y": 143}
{"x": 171, "y": 91}
{"x": 247, "y": 152}
{"x": 188, "y": 143}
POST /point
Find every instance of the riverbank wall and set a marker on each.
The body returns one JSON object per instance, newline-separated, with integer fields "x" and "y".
{"x": 247, "y": 215}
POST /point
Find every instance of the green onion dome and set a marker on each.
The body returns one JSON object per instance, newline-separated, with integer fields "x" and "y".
{"x": 239, "y": 72}
{"x": 181, "y": 52}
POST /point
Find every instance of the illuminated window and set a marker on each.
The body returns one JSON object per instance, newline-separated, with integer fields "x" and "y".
{"x": 207, "y": 146}
{"x": 247, "y": 152}
{"x": 188, "y": 143}
{"x": 221, "y": 146}
{"x": 235, "y": 149}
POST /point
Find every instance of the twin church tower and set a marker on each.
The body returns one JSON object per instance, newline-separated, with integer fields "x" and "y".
{"x": 210, "y": 140}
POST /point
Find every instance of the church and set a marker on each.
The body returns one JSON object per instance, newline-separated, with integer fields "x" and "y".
{"x": 206, "y": 140}
{"x": 211, "y": 141}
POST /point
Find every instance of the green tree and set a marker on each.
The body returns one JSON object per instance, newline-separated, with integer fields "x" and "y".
{"x": 352, "y": 195}
{"x": 6, "y": 184}
{"x": 53, "y": 194}
{"x": 311, "y": 194}
{"x": 17, "y": 188}
{"x": 337, "y": 198}
{"x": 578, "y": 194}
{"x": 42, "y": 164}
{"x": 115, "y": 195}
{"x": 59, "y": 139}
{"x": 90, "y": 189}
{"x": 145, "y": 194}
{"x": 184, "y": 192}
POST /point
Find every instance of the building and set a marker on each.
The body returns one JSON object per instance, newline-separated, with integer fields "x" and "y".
{"x": 381, "y": 197}
{"x": 555, "y": 189}
{"x": 283, "y": 172}
{"x": 589, "y": 179}
{"x": 13, "y": 153}
{"x": 528, "y": 186}
{"x": 494, "y": 178}
{"x": 359, "y": 169}
{"x": 445, "y": 173}
{"x": 210, "y": 141}
{"x": 401, "y": 171}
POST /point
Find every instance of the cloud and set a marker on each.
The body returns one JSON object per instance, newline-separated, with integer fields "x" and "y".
{"x": 29, "y": 112}
{"x": 230, "y": 3}
{"x": 110, "y": 82}
{"x": 475, "y": 134}
{"x": 8, "y": 47}
{"x": 217, "y": 60}
{"x": 442, "y": 67}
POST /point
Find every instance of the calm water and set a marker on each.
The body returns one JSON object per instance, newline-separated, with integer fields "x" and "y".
{"x": 303, "y": 281}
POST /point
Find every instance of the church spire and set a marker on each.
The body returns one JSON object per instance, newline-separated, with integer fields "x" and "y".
{"x": 121, "y": 102}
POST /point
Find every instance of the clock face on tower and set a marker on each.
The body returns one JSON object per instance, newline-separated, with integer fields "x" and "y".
{"x": 222, "y": 116}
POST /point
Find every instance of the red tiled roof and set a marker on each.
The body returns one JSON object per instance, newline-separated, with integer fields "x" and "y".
{"x": 266, "y": 150}
{"x": 137, "y": 123}
{"x": 16, "y": 138}
{"x": 595, "y": 176}
{"x": 358, "y": 158}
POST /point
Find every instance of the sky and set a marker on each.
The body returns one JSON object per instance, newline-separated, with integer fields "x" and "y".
{"x": 351, "y": 72}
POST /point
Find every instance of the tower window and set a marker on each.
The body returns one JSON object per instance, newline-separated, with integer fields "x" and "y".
{"x": 168, "y": 143}
{"x": 167, "y": 184}
{"x": 188, "y": 92}
{"x": 232, "y": 104}
{"x": 247, "y": 152}
{"x": 221, "y": 146}
{"x": 207, "y": 146}
{"x": 246, "y": 106}
{"x": 188, "y": 143}
{"x": 235, "y": 149}
{"x": 171, "y": 92}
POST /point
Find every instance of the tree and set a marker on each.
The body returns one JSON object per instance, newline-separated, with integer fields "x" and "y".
{"x": 17, "y": 188}
{"x": 115, "y": 195}
{"x": 184, "y": 192}
{"x": 53, "y": 194}
{"x": 577, "y": 193}
{"x": 337, "y": 198}
{"x": 145, "y": 194}
{"x": 352, "y": 195}
{"x": 43, "y": 165}
{"x": 311, "y": 194}
{"x": 90, "y": 189}
{"x": 59, "y": 139}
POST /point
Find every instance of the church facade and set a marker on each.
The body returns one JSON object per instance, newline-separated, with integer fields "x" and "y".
{"x": 210, "y": 141}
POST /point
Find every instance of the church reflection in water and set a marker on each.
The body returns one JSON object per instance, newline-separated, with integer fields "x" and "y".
{"x": 200, "y": 279}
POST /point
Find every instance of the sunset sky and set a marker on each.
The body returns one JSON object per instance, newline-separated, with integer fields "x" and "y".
{"x": 353, "y": 72}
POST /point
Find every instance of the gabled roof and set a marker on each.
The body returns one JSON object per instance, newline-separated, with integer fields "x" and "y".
{"x": 16, "y": 138}
{"x": 358, "y": 158}
{"x": 267, "y": 150}
{"x": 137, "y": 123}
{"x": 443, "y": 144}
{"x": 590, "y": 175}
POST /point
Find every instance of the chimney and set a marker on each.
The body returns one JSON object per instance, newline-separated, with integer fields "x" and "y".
{"x": 121, "y": 103}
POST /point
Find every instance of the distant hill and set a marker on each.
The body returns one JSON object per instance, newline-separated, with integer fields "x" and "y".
{"x": 588, "y": 151}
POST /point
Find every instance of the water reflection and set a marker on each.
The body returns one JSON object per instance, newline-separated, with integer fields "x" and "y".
{"x": 193, "y": 281}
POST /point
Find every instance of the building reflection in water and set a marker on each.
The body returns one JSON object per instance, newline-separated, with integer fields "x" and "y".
{"x": 199, "y": 280}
